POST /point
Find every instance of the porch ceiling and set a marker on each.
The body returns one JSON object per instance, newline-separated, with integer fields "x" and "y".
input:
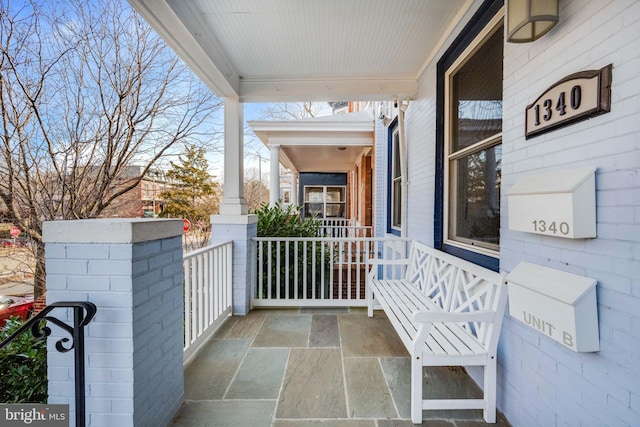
{"x": 292, "y": 50}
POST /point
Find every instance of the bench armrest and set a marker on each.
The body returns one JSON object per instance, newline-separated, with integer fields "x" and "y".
{"x": 441, "y": 316}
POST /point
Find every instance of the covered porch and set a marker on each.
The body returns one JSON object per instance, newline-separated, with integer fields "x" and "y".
{"x": 300, "y": 366}
{"x": 165, "y": 349}
{"x": 313, "y": 366}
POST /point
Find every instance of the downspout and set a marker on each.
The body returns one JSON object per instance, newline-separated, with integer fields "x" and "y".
{"x": 404, "y": 185}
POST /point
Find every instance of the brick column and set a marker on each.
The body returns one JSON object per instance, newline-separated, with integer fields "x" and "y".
{"x": 240, "y": 229}
{"x": 132, "y": 270}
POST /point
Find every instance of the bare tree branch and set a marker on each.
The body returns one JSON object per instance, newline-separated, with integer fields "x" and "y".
{"x": 87, "y": 90}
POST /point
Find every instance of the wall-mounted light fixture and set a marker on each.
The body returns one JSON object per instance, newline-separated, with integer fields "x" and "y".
{"x": 528, "y": 20}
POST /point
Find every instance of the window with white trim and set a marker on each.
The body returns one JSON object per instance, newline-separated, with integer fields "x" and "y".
{"x": 286, "y": 196}
{"x": 473, "y": 144}
{"x": 325, "y": 201}
{"x": 396, "y": 181}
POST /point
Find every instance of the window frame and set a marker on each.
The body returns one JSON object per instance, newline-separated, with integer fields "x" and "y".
{"x": 451, "y": 156}
{"x": 325, "y": 202}
{"x": 488, "y": 16}
{"x": 393, "y": 151}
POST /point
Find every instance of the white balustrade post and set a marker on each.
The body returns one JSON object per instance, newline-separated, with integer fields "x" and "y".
{"x": 274, "y": 175}
{"x": 131, "y": 269}
{"x": 294, "y": 188}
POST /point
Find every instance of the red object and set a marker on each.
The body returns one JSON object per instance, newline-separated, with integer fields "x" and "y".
{"x": 21, "y": 307}
{"x": 15, "y": 232}
{"x": 39, "y": 304}
{"x": 187, "y": 225}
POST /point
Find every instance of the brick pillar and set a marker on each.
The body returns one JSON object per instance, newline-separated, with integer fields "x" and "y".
{"x": 132, "y": 270}
{"x": 240, "y": 229}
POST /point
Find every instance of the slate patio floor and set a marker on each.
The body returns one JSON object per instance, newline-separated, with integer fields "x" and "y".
{"x": 313, "y": 367}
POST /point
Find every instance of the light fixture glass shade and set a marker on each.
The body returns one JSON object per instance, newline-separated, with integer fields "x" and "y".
{"x": 528, "y": 20}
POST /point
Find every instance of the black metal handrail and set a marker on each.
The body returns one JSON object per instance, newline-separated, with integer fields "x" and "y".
{"x": 83, "y": 313}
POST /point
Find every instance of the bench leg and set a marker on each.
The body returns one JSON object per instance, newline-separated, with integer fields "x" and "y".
{"x": 369, "y": 301}
{"x": 416, "y": 390}
{"x": 490, "y": 384}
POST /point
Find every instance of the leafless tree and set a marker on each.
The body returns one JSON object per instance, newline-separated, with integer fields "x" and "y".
{"x": 294, "y": 110}
{"x": 86, "y": 90}
{"x": 256, "y": 192}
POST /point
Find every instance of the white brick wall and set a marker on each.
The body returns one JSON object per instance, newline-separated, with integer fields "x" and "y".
{"x": 542, "y": 383}
{"x": 421, "y": 154}
{"x": 134, "y": 370}
{"x": 240, "y": 229}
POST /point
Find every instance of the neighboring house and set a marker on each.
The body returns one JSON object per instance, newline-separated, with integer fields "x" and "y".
{"x": 480, "y": 154}
{"x": 329, "y": 159}
{"x": 142, "y": 201}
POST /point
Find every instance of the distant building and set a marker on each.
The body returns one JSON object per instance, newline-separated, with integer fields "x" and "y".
{"x": 143, "y": 201}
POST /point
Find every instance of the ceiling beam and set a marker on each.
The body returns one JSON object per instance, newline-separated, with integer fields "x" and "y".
{"x": 327, "y": 89}
{"x": 212, "y": 65}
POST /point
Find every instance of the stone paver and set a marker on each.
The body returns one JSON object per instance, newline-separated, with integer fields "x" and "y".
{"x": 225, "y": 413}
{"x": 324, "y": 331}
{"x": 209, "y": 375}
{"x": 260, "y": 374}
{"x": 313, "y": 385}
{"x": 284, "y": 330}
{"x": 367, "y": 390}
{"x": 397, "y": 372}
{"x": 325, "y": 423}
{"x": 364, "y": 336}
{"x": 246, "y": 327}
{"x": 314, "y": 368}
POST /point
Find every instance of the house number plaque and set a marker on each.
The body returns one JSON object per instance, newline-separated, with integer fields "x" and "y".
{"x": 574, "y": 98}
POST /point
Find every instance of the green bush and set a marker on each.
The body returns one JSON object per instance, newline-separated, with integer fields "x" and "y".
{"x": 23, "y": 366}
{"x": 280, "y": 221}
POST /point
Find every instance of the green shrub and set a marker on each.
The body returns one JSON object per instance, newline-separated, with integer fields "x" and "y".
{"x": 279, "y": 221}
{"x": 23, "y": 366}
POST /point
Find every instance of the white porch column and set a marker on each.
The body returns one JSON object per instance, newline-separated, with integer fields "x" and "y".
{"x": 233, "y": 201}
{"x": 274, "y": 175}
{"x": 233, "y": 223}
{"x": 294, "y": 188}
{"x": 131, "y": 269}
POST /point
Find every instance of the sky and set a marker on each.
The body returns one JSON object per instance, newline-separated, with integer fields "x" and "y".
{"x": 252, "y": 111}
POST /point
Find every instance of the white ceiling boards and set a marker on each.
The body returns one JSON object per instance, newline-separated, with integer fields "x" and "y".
{"x": 291, "y": 50}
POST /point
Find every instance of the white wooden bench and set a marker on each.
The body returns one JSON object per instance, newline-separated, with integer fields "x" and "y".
{"x": 447, "y": 312}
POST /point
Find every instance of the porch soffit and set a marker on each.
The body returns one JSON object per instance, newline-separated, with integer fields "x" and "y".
{"x": 319, "y": 144}
{"x": 291, "y": 50}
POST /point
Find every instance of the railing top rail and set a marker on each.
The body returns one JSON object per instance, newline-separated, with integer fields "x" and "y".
{"x": 366, "y": 227}
{"x": 331, "y": 239}
{"x": 83, "y": 313}
{"x": 205, "y": 249}
{"x": 34, "y": 322}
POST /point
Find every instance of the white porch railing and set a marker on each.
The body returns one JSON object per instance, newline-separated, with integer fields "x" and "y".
{"x": 349, "y": 231}
{"x": 338, "y": 222}
{"x": 207, "y": 294}
{"x": 321, "y": 271}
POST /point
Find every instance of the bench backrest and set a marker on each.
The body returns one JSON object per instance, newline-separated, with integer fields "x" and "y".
{"x": 456, "y": 285}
